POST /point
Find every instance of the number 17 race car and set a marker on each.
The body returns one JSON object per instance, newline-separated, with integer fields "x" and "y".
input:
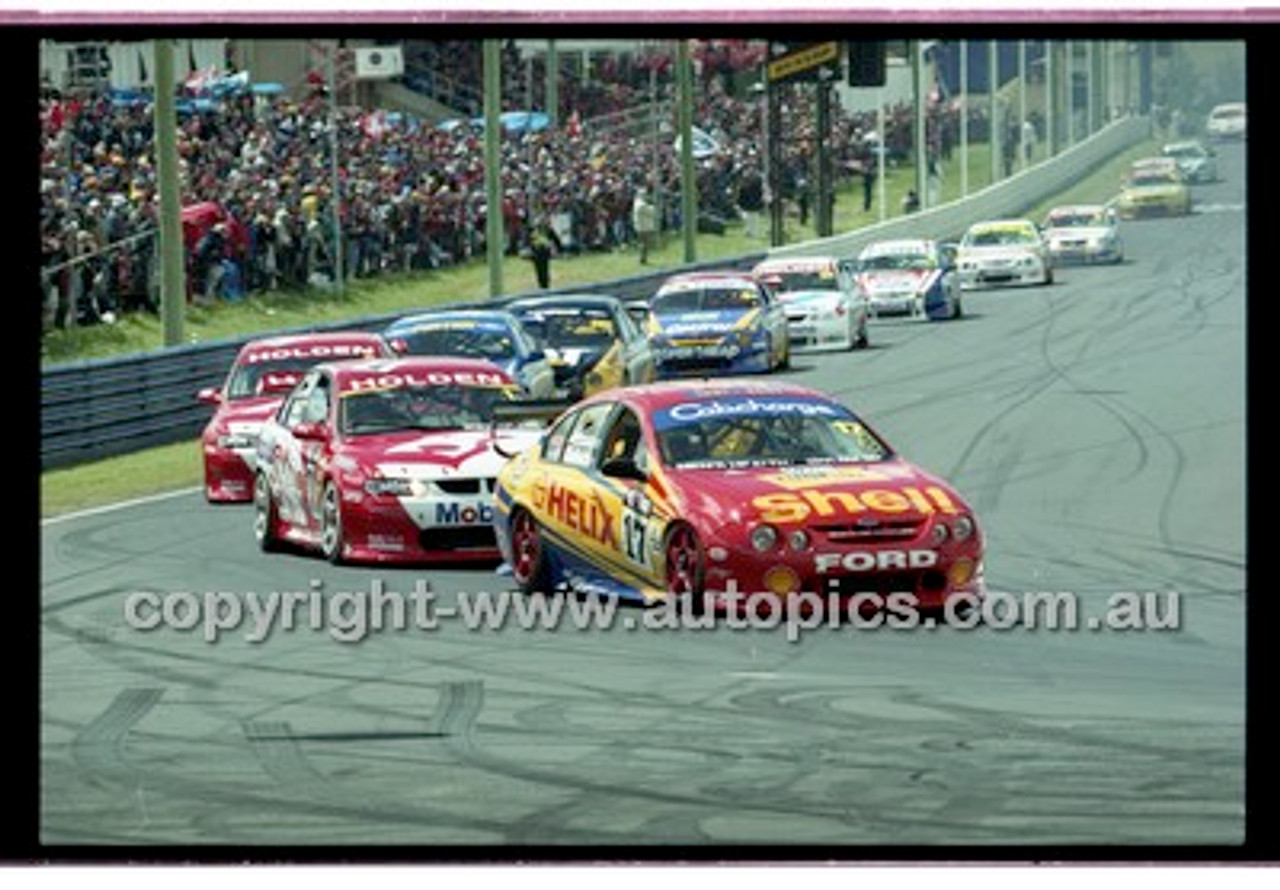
{"x": 704, "y": 490}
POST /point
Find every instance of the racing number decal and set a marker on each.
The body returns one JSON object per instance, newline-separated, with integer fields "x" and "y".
{"x": 641, "y": 529}
{"x": 634, "y": 530}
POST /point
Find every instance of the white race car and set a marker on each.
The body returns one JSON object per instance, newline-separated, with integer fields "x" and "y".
{"x": 824, "y": 310}
{"x": 1228, "y": 121}
{"x": 909, "y": 276}
{"x": 1083, "y": 233}
{"x": 1197, "y": 163}
{"x": 1005, "y": 251}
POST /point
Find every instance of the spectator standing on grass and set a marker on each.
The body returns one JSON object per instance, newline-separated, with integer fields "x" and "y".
{"x": 543, "y": 242}
{"x": 644, "y": 218}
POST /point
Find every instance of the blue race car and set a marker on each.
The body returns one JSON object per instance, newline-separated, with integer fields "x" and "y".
{"x": 713, "y": 323}
{"x": 492, "y": 334}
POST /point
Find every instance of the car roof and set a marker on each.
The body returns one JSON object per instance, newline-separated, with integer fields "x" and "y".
{"x": 421, "y": 367}
{"x": 783, "y": 264}
{"x": 897, "y": 245}
{"x": 992, "y": 224}
{"x": 708, "y": 277}
{"x": 656, "y": 396}
{"x": 558, "y": 301}
{"x": 1077, "y": 208}
{"x": 499, "y": 315}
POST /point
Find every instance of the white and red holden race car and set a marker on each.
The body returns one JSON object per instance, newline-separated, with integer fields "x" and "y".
{"x": 388, "y": 461}
{"x": 262, "y": 374}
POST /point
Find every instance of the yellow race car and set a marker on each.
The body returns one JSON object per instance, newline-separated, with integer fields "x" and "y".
{"x": 1153, "y": 187}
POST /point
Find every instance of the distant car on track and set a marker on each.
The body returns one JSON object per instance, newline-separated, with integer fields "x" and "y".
{"x": 686, "y": 488}
{"x": 262, "y": 374}
{"x": 1153, "y": 187}
{"x": 387, "y": 461}
{"x": 824, "y": 309}
{"x": 1196, "y": 162}
{"x": 590, "y": 339}
{"x": 1083, "y": 233}
{"x": 491, "y": 334}
{"x": 1004, "y": 252}
{"x": 1228, "y": 121}
{"x": 915, "y": 277}
{"x": 716, "y": 323}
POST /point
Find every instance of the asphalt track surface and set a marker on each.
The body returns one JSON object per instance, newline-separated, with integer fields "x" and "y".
{"x": 1097, "y": 426}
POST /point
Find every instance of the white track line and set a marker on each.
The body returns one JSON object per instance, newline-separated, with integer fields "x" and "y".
{"x": 120, "y": 505}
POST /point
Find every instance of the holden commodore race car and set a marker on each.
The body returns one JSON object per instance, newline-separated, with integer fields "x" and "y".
{"x": 716, "y": 323}
{"x": 1153, "y": 187}
{"x": 491, "y": 334}
{"x": 1083, "y": 233}
{"x": 1196, "y": 162}
{"x": 910, "y": 276}
{"x": 724, "y": 487}
{"x": 1006, "y": 251}
{"x": 590, "y": 340}
{"x": 262, "y": 374}
{"x": 823, "y": 309}
{"x": 387, "y": 460}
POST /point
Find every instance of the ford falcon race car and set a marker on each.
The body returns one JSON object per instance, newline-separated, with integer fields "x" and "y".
{"x": 1008, "y": 251}
{"x": 716, "y": 323}
{"x": 387, "y": 461}
{"x": 262, "y": 374}
{"x": 1153, "y": 187}
{"x": 701, "y": 491}
{"x": 823, "y": 309}
{"x": 1196, "y": 163}
{"x": 909, "y": 276}
{"x": 1083, "y": 233}
{"x": 491, "y": 334}
{"x": 590, "y": 340}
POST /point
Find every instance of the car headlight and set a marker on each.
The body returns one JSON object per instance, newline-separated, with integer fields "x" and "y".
{"x": 963, "y": 528}
{"x": 939, "y": 533}
{"x": 798, "y": 539}
{"x": 764, "y": 537}
{"x": 392, "y": 485}
{"x": 236, "y": 441}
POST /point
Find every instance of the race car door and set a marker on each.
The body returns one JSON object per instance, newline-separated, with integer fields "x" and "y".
{"x": 300, "y": 454}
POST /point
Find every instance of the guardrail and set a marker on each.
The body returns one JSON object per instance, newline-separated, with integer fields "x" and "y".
{"x": 106, "y": 407}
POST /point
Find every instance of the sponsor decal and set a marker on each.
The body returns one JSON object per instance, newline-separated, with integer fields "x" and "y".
{"x": 375, "y": 381}
{"x": 808, "y": 476}
{"x": 687, "y": 412}
{"x": 318, "y": 351}
{"x": 464, "y": 514}
{"x": 587, "y": 515}
{"x": 874, "y": 560}
{"x": 788, "y": 506}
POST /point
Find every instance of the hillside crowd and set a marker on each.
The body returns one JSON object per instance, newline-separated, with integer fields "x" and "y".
{"x": 412, "y": 194}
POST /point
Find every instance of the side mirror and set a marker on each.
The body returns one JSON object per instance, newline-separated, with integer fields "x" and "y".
{"x": 622, "y": 468}
{"x": 310, "y": 432}
{"x": 398, "y": 346}
{"x": 210, "y": 395}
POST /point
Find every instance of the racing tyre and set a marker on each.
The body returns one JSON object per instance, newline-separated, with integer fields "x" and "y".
{"x": 684, "y": 570}
{"x": 332, "y": 541}
{"x": 265, "y": 519}
{"x": 1048, "y": 275}
{"x": 959, "y": 310}
{"x": 528, "y": 556}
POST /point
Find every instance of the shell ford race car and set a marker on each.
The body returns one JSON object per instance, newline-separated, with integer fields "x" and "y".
{"x": 823, "y": 309}
{"x": 1083, "y": 233}
{"x": 702, "y": 490}
{"x": 387, "y": 461}
{"x": 1153, "y": 187}
{"x": 590, "y": 340}
{"x": 716, "y": 323}
{"x": 1007, "y": 251}
{"x": 262, "y": 374}
{"x": 494, "y": 335}
{"x": 909, "y": 276}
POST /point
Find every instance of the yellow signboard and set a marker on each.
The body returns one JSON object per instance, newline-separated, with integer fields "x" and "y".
{"x": 803, "y": 60}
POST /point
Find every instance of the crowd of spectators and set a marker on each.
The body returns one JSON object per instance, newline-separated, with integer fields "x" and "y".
{"x": 412, "y": 194}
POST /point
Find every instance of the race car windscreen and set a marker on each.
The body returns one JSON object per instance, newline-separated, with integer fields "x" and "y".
{"x": 997, "y": 237}
{"x": 1147, "y": 180}
{"x": 570, "y": 329}
{"x": 267, "y": 378}
{"x": 1078, "y": 219}
{"x": 896, "y": 261}
{"x": 493, "y": 341}
{"x": 788, "y": 282}
{"x": 712, "y": 298}
{"x": 748, "y": 431}
{"x": 427, "y": 407}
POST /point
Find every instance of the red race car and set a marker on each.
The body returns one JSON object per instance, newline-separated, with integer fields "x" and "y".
{"x": 388, "y": 461}
{"x": 262, "y": 374}
{"x": 711, "y": 487}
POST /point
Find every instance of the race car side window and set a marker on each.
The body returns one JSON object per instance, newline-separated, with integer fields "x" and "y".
{"x": 293, "y": 410}
{"x": 553, "y": 445}
{"x": 584, "y": 438}
{"x": 624, "y": 438}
